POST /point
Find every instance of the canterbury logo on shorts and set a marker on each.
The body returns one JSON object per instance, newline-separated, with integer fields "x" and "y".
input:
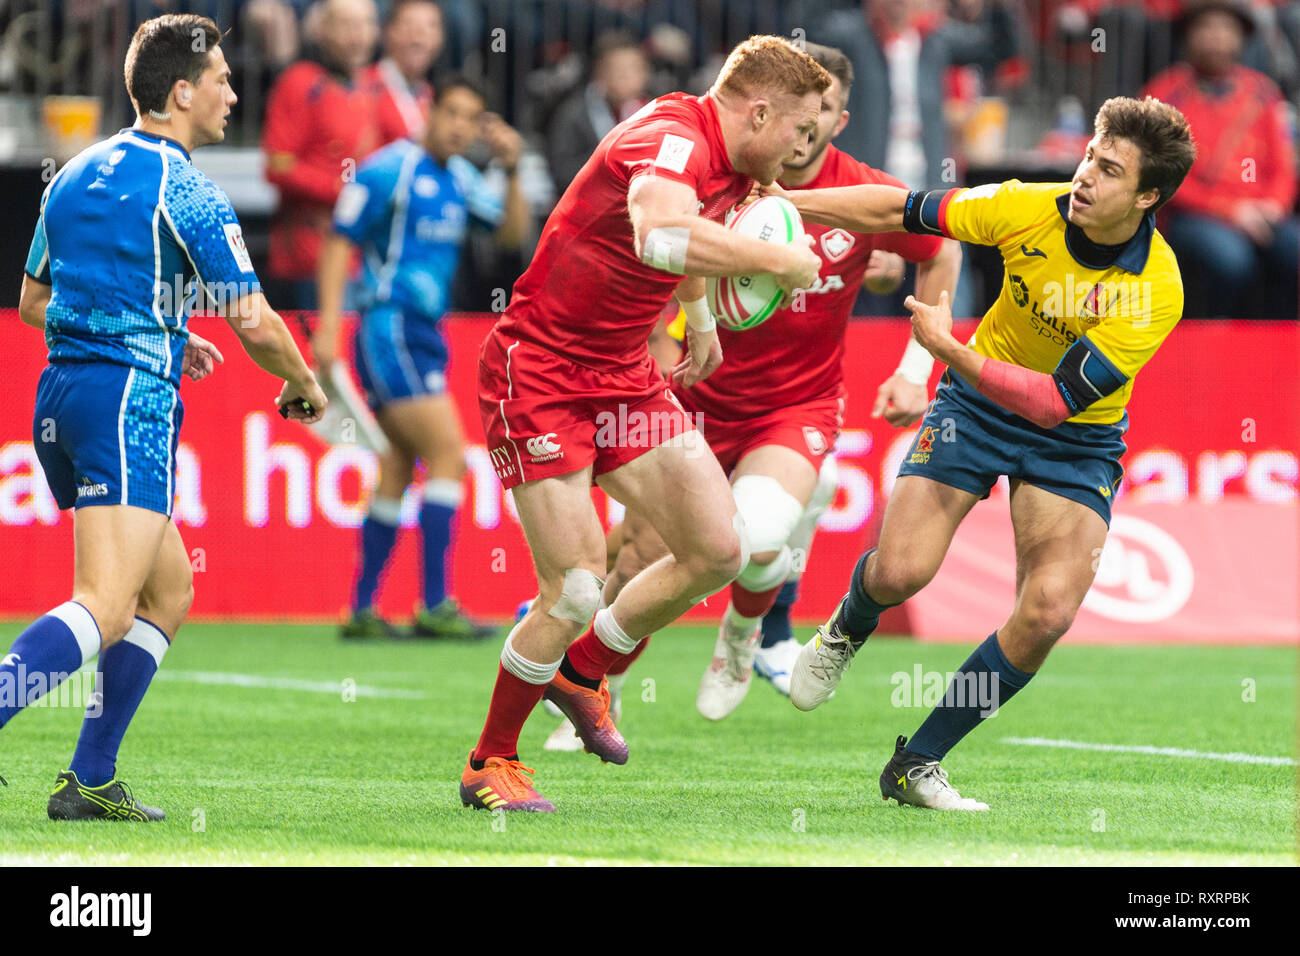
{"x": 543, "y": 447}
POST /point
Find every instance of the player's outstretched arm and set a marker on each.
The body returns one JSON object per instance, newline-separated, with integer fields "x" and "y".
{"x": 670, "y": 236}
{"x": 267, "y": 341}
{"x": 856, "y": 208}
{"x": 32, "y": 300}
{"x": 331, "y": 278}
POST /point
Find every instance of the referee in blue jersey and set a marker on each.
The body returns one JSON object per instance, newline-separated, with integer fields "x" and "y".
{"x": 407, "y": 210}
{"x": 125, "y": 229}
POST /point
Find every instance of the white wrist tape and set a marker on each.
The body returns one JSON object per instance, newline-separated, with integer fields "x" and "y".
{"x": 916, "y": 363}
{"x": 665, "y": 248}
{"x": 698, "y": 316}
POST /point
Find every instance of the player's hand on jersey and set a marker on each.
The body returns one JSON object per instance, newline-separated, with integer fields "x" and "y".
{"x": 294, "y": 395}
{"x": 900, "y": 401}
{"x": 503, "y": 140}
{"x": 200, "y": 358}
{"x": 931, "y": 324}
{"x": 703, "y": 356}
{"x": 884, "y": 272}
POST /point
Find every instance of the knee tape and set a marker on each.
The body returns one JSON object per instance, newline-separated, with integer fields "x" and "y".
{"x": 770, "y": 512}
{"x": 763, "y": 577}
{"x": 579, "y": 597}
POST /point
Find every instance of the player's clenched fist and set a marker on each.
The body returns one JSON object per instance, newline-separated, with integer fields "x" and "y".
{"x": 303, "y": 401}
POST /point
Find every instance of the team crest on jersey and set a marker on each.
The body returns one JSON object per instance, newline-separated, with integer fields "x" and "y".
{"x": 924, "y": 446}
{"x": 815, "y": 439}
{"x": 836, "y": 244}
{"x": 235, "y": 240}
{"x": 673, "y": 152}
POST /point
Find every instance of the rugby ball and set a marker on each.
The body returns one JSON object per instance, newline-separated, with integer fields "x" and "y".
{"x": 742, "y": 302}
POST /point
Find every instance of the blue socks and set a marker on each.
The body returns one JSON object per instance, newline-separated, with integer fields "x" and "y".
{"x": 776, "y": 623}
{"x": 442, "y": 497}
{"x": 44, "y": 655}
{"x": 125, "y": 670}
{"x": 985, "y": 682}
{"x": 860, "y": 614}
{"x": 378, "y": 535}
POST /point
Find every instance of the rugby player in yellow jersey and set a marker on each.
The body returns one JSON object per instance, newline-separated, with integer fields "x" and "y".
{"x": 1090, "y": 291}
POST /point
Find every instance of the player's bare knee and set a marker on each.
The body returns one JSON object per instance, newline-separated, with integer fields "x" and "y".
{"x": 764, "y": 557}
{"x": 894, "y": 581}
{"x": 716, "y": 563}
{"x": 1045, "y": 619}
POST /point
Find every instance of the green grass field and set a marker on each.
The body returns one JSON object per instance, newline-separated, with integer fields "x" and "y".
{"x": 247, "y": 742}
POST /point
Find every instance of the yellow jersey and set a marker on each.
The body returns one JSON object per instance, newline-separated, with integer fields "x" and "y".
{"x": 1049, "y": 299}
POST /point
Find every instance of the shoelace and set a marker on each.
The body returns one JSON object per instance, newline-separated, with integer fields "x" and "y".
{"x": 835, "y": 653}
{"x": 605, "y": 703}
{"x": 934, "y": 771}
{"x": 731, "y": 661}
{"x": 514, "y": 781}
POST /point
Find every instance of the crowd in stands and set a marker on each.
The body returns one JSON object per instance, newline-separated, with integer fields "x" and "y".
{"x": 334, "y": 79}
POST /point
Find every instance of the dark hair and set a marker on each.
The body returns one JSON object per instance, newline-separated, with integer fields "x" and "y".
{"x": 458, "y": 81}
{"x": 1161, "y": 134}
{"x": 834, "y": 62}
{"x": 398, "y": 5}
{"x": 611, "y": 42}
{"x": 176, "y": 46}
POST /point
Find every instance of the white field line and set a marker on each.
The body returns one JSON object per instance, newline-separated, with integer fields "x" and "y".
{"x": 285, "y": 683}
{"x": 1150, "y": 751}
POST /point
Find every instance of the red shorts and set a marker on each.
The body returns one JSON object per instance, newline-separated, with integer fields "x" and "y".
{"x": 809, "y": 429}
{"x": 545, "y": 416}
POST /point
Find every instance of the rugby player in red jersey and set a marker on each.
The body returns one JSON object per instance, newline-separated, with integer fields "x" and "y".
{"x": 570, "y": 395}
{"x": 772, "y": 412}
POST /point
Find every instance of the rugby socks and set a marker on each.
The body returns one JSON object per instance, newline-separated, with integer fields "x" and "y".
{"x": 125, "y": 670}
{"x": 44, "y": 654}
{"x": 378, "y": 535}
{"x": 442, "y": 497}
{"x": 592, "y": 655}
{"x": 519, "y": 688}
{"x": 738, "y": 626}
{"x": 625, "y": 661}
{"x": 753, "y": 604}
{"x": 776, "y": 622}
{"x": 860, "y": 614}
{"x": 985, "y": 682}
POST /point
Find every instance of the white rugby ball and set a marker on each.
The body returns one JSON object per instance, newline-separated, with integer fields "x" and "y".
{"x": 742, "y": 302}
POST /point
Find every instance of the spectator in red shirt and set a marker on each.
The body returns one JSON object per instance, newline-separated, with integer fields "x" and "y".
{"x": 319, "y": 126}
{"x": 1232, "y": 224}
{"x": 413, "y": 39}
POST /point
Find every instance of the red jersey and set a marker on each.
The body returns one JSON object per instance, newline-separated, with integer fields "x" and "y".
{"x": 586, "y": 296}
{"x": 399, "y": 108}
{"x": 316, "y": 129}
{"x": 795, "y": 357}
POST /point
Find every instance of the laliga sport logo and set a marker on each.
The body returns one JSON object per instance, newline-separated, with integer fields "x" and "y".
{"x": 1144, "y": 574}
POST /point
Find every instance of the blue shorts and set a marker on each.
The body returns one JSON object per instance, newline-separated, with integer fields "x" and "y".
{"x": 967, "y": 441}
{"x": 106, "y": 435}
{"x": 399, "y": 356}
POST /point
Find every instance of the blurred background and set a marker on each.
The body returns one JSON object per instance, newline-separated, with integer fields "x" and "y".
{"x": 948, "y": 92}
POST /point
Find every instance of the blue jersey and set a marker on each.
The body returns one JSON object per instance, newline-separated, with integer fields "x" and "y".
{"x": 408, "y": 213}
{"x": 124, "y": 228}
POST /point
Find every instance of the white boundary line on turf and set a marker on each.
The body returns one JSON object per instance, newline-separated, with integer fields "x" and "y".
{"x": 1151, "y": 751}
{"x": 285, "y": 683}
